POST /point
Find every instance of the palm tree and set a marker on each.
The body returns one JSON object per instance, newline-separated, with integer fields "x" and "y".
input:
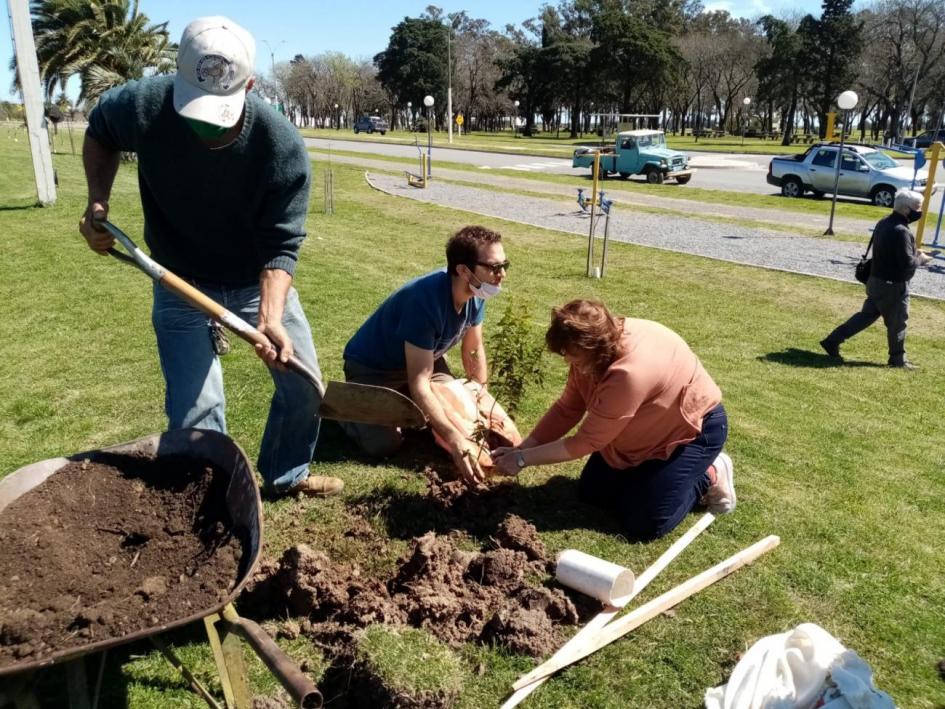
{"x": 104, "y": 42}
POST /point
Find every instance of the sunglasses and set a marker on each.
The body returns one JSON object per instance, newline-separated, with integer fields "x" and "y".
{"x": 496, "y": 268}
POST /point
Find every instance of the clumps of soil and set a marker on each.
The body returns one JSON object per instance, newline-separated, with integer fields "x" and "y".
{"x": 458, "y": 596}
{"x": 109, "y": 546}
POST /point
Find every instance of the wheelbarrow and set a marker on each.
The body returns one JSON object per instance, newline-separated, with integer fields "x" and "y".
{"x": 224, "y": 626}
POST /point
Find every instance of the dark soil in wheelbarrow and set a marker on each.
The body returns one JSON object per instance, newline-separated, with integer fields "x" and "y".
{"x": 109, "y": 547}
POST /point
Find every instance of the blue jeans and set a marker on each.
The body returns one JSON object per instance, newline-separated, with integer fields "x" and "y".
{"x": 194, "y": 379}
{"x": 652, "y": 498}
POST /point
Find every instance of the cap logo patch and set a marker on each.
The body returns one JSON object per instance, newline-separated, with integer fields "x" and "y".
{"x": 217, "y": 71}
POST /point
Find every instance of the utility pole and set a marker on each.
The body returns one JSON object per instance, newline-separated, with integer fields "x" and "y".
{"x": 27, "y": 67}
{"x": 449, "y": 80}
{"x": 272, "y": 59}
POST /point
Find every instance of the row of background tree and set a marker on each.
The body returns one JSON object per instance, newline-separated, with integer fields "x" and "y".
{"x": 667, "y": 57}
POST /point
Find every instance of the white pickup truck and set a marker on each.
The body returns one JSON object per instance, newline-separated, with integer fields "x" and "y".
{"x": 864, "y": 172}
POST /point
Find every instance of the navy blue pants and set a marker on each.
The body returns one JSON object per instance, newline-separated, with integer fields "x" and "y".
{"x": 652, "y": 498}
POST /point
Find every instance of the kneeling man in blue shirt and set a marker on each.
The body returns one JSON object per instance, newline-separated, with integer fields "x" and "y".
{"x": 402, "y": 344}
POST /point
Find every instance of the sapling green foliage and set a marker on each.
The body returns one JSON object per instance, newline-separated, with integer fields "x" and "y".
{"x": 515, "y": 355}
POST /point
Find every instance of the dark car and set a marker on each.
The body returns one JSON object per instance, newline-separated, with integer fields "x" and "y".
{"x": 369, "y": 124}
{"x": 930, "y": 136}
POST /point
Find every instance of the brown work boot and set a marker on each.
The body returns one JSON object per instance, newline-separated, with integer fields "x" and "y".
{"x": 318, "y": 486}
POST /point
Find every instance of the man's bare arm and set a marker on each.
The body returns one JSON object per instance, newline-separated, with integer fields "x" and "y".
{"x": 419, "y": 373}
{"x": 101, "y": 166}
{"x": 474, "y": 355}
{"x": 274, "y": 284}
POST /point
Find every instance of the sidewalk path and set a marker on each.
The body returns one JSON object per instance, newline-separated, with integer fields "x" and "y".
{"x": 815, "y": 256}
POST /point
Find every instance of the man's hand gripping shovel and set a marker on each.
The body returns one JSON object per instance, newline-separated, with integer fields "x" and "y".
{"x": 341, "y": 401}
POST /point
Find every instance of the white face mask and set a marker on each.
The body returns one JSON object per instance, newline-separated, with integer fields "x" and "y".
{"x": 485, "y": 290}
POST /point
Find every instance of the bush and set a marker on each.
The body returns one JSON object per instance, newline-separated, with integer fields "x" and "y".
{"x": 516, "y": 356}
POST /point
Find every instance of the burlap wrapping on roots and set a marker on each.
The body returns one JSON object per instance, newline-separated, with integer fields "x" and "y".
{"x": 478, "y": 415}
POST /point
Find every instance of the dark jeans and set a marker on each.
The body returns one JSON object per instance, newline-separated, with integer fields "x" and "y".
{"x": 652, "y": 498}
{"x": 889, "y": 300}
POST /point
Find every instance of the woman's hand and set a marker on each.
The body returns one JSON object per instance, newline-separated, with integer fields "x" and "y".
{"x": 506, "y": 460}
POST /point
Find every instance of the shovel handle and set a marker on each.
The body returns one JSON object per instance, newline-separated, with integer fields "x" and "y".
{"x": 200, "y": 300}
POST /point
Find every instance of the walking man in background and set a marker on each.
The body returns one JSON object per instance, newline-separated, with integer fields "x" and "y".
{"x": 895, "y": 259}
{"x": 224, "y": 184}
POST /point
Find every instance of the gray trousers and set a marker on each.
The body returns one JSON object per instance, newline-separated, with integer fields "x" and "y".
{"x": 375, "y": 440}
{"x": 883, "y": 299}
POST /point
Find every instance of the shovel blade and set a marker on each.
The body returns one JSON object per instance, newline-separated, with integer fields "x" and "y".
{"x": 364, "y": 403}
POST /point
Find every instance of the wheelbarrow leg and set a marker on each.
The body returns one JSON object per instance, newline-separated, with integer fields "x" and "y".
{"x": 228, "y": 655}
{"x": 19, "y": 691}
{"x": 77, "y": 684}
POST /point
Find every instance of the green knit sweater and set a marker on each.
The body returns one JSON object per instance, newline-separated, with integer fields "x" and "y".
{"x": 218, "y": 216}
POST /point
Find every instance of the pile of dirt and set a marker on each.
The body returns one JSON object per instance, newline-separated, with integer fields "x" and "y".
{"x": 490, "y": 596}
{"x": 109, "y": 546}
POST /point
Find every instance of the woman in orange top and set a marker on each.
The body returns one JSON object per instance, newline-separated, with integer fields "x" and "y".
{"x": 653, "y": 423}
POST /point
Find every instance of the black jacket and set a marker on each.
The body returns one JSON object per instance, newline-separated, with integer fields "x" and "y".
{"x": 894, "y": 254}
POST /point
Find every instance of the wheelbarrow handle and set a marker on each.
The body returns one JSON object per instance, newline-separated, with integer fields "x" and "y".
{"x": 283, "y": 667}
{"x": 199, "y": 300}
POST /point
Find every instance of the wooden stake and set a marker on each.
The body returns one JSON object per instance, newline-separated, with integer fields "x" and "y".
{"x": 605, "y": 616}
{"x": 650, "y": 610}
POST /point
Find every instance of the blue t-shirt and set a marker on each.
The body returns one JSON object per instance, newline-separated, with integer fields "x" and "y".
{"x": 421, "y": 313}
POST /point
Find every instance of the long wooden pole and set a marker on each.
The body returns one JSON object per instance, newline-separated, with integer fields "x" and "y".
{"x": 648, "y": 611}
{"x": 927, "y": 197}
{"x": 605, "y": 616}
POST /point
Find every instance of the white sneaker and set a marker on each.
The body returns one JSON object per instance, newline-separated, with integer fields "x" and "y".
{"x": 720, "y": 498}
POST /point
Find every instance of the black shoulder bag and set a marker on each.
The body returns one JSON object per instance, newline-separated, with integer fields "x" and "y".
{"x": 865, "y": 265}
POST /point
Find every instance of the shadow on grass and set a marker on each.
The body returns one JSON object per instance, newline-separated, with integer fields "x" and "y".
{"x": 408, "y": 513}
{"x": 52, "y": 690}
{"x": 794, "y": 357}
{"x": 550, "y": 506}
{"x": 18, "y": 207}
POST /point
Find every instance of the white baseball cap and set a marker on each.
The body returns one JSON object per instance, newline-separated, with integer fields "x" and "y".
{"x": 214, "y": 61}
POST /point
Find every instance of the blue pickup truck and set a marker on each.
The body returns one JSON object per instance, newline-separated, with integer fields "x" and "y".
{"x": 638, "y": 152}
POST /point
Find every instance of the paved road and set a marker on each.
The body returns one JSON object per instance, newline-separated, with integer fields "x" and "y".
{"x": 735, "y": 173}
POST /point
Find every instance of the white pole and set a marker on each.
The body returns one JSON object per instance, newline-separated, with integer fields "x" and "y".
{"x": 28, "y": 69}
{"x": 449, "y": 81}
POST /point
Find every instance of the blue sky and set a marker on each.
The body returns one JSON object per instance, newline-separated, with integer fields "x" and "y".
{"x": 359, "y": 28}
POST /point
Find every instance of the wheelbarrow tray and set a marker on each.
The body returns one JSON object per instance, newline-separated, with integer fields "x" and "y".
{"x": 242, "y": 503}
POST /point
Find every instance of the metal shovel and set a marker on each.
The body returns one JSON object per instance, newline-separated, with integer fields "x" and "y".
{"x": 341, "y": 401}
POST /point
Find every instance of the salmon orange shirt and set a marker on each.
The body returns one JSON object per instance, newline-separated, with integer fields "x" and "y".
{"x": 650, "y": 401}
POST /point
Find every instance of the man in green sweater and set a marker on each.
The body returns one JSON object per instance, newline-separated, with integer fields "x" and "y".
{"x": 224, "y": 184}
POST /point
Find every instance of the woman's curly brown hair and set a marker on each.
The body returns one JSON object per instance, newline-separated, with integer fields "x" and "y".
{"x": 585, "y": 327}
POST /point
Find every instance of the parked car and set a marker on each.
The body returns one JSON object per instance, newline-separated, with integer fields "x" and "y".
{"x": 864, "y": 172}
{"x": 638, "y": 152}
{"x": 926, "y": 139}
{"x": 369, "y": 124}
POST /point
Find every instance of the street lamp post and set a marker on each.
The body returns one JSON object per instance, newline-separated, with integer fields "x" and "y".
{"x": 847, "y": 102}
{"x": 747, "y": 102}
{"x": 337, "y": 118}
{"x": 428, "y": 102}
{"x": 515, "y": 119}
{"x": 449, "y": 81}
{"x": 409, "y": 115}
{"x": 272, "y": 59}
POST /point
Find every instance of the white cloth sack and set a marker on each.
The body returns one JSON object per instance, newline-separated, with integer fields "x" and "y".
{"x": 801, "y": 669}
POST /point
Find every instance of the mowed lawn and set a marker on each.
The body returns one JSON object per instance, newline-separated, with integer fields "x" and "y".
{"x": 844, "y": 463}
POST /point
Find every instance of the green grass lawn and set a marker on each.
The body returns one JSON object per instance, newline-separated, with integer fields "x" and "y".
{"x": 843, "y": 462}
{"x": 846, "y": 207}
{"x": 551, "y": 144}
{"x": 554, "y": 145}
